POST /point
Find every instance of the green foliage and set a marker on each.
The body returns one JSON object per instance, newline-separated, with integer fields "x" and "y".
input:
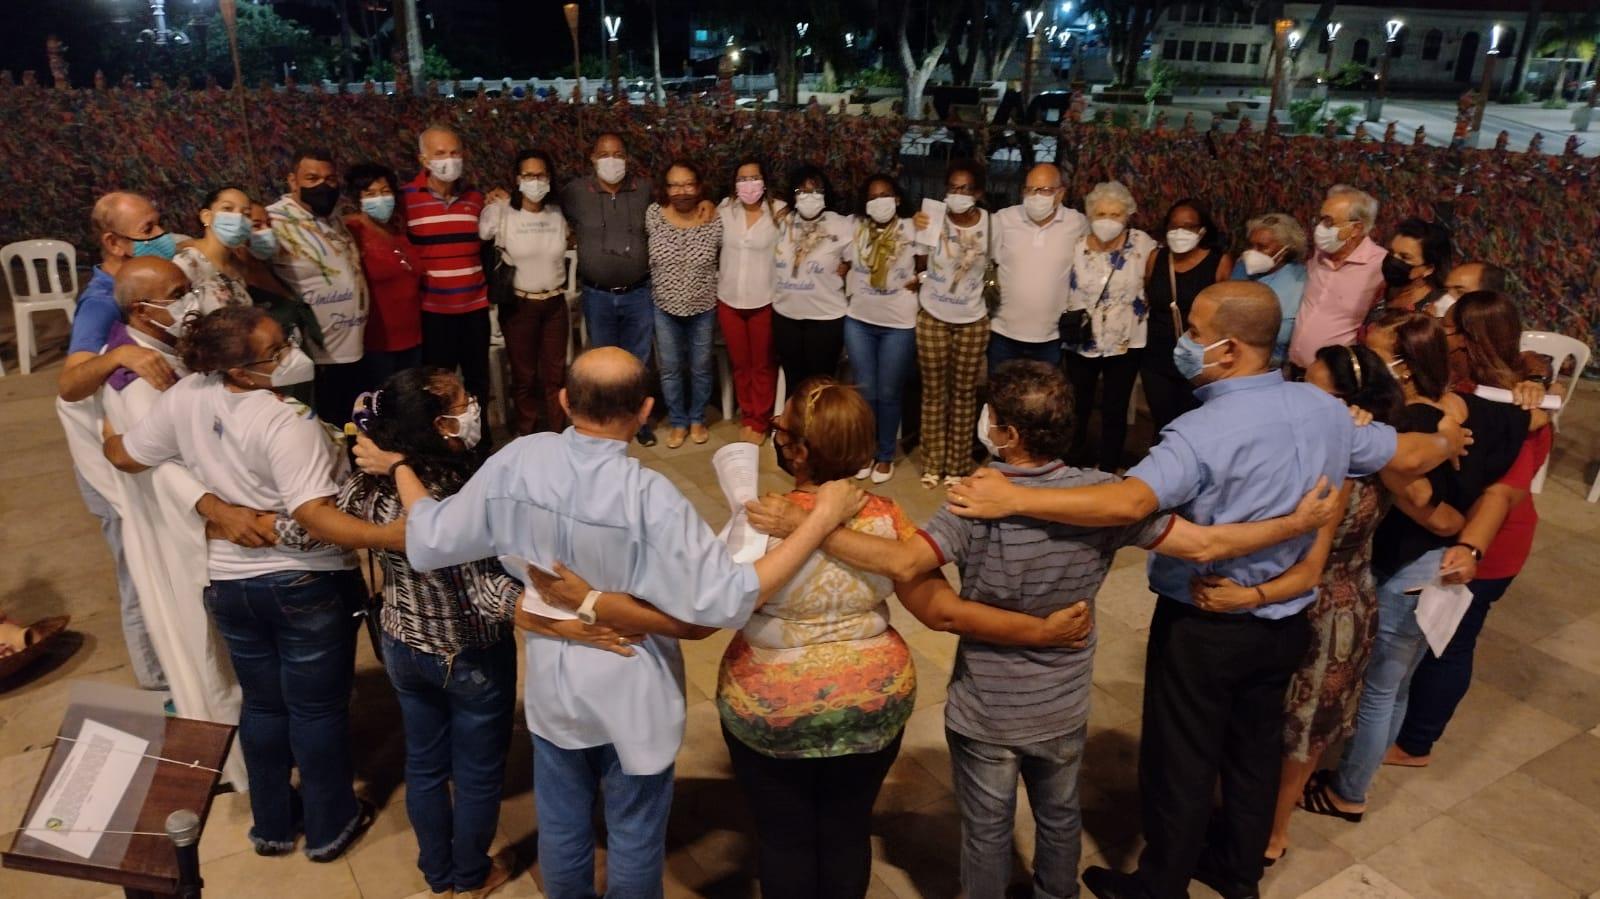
{"x": 267, "y": 42}
{"x": 1554, "y": 103}
{"x": 1351, "y": 74}
{"x": 1163, "y": 78}
{"x": 1304, "y": 114}
{"x": 1344, "y": 115}
{"x": 1122, "y": 117}
{"x": 1519, "y": 97}
{"x": 434, "y": 66}
{"x": 880, "y": 77}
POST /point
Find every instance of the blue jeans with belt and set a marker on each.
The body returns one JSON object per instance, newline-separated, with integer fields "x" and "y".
{"x": 565, "y": 784}
{"x": 1395, "y": 655}
{"x": 457, "y": 716}
{"x": 685, "y": 342}
{"x": 880, "y": 360}
{"x": 292, "y": 639}
{"x": 625, "y": 319}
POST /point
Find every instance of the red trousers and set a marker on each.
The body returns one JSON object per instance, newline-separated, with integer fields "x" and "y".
{"x": 536, "y": 346}
{"x": 748, "y": 334}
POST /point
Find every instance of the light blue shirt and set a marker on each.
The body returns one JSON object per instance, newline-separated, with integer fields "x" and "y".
{"x": 1249, "y": 453}
{"x": 583, "y": 502}
{"x": 1289, "y": 283}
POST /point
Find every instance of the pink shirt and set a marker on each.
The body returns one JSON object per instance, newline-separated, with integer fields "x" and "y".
{"x": 1336, "y": 300}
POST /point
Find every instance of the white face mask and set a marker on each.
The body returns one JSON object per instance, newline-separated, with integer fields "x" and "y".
{"x": 984, "y": 426}
{"x": 1107, "y": 230}
{"x": 610, "y": 169}
{"x": 179, "y": 309}
{"x": 535, "y": 189}
{"x": 1327, "y": 239}
{"x": 1040, "y": 208}
{"x": 447, "y": 169}
{"x": 960, "y": 204}
{"x": 294, "y": 368}
{"x": 881, "y": 209}
{"x": 809, "y": 204}
{"x": 1182, "y": 240}
{"x": 1257, "y": 262}
{"x": 469, "y": 425}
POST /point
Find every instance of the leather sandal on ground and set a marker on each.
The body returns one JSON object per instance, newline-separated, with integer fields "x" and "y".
{"x": 1318, "y": 799}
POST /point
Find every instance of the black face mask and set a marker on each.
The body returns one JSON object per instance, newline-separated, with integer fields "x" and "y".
{"x": 1395, "y": 271}
{"x": 783, "y": 458}
{"x": 320, "y": 199}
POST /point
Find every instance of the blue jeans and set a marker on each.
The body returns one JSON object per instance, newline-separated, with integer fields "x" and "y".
{"x": 457, "y": 716}
{"x": 1441, "y": 682}
{"x": 565, "y": 782}
{"x": 142, "y": 657}
{"x": 1003, "y": 349}
{"x": 685, "y": 342}
{"x": 1395, "y": 654}
{"x": 292, "y": 640}
{"x": 626, "y": 320}
{"x": 985, "y": 776}
{"x": 881, "y": 359}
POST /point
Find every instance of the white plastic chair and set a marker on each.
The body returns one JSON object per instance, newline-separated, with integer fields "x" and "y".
{"x": 41, "y": 287}
{"x": 1560, "y": 348}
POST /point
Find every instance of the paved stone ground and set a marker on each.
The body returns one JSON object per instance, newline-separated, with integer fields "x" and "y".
{"x": 1511, "y": 807}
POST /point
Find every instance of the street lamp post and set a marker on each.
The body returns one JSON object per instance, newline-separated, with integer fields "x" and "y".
{"x": 571, "y": 11}
{"x": 1489, "y": 60}
{"x": 613, "y": 25}
{"x": 1391, "y": 40}
{"x": 160, "y": 34}
{"x": 1280, "y": 50}
{"x": 1031, "y": 20}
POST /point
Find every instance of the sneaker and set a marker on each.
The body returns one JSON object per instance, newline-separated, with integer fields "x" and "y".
{"x": 952, "y": 480}
{"x": 646, "y": 436}
{"x": 863, "y": 473}
{"x": 881, "y": 477}
{"x": 698, "y": 433}
{"x": 929, "y": 481}
{"x": 499, "y": 874}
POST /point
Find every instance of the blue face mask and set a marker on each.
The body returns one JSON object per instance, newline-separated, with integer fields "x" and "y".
{"x": 162, "y": 245}
{"x": 263, "y": 244}
{"x": 232, "y": 228}
{"x": 1190, "y": 357}
{"x": 379, "y": 208}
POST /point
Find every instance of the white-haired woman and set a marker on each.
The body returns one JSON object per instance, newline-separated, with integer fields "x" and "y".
{"x": 1106, "y": 298}
{"x": 1274, "y": 254}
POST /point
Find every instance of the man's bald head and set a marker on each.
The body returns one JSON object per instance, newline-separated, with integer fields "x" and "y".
{"x": 1245, "y": 311}
{"x": 147, "y": 278}
{"x": 120, "y": 217}
{"x": 1045, "y": 175}
{"x": 437, "y": 141}
{"x": 607, "y": 386}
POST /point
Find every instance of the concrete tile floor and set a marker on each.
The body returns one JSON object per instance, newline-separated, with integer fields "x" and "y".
{"x": 1510, "y": 809}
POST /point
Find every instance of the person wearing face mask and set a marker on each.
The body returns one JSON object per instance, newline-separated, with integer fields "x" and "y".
{"x": 953, "y": 327}
{"x": 1033, "y": 251}
{"x": 530, "y": 234}
{"x": 320, "y": 262}
{"x": 880, "y": 330}
{"x": 1466, "y": 277}
{"x": 1275, "y": 250}
{"x": 607, "y": 213}
{"x": 392, "y": 267}
{"x": 215, "y": 263}
{"x": 1216, "y": 674}
{"x": 1344, "y": 277}
{"x": 1414, "y": 270}
{"x": 1018, "y": 701}
{"x": 808, "y": 303}
{"x": 1106, "y": 291}
{"x": 685, "y": 234}
{"x": 285, "y": 613}
{"x": 1194, "y": 257}
{"x": 746, "y": 281}
{"x": 442, "y": 216}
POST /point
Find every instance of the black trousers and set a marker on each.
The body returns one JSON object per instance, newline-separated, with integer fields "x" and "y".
{"x": 461, "y": 341}
{"x": 1086, "y": 373}
{"x": 806, "y": 348}
{"x": 1168, "y": 393}
{"x": 1213, "y": 707}
{"x": 1441, "y": 682}
{"x": 813, "y": 819}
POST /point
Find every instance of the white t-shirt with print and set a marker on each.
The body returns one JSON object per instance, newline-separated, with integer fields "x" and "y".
{"x": 534, "y": 242}
{"x": 894, "y": 305}
{"x": 318, "y": 259}
{"x": 953, "y": 291}
{"x": 811, "y": 289}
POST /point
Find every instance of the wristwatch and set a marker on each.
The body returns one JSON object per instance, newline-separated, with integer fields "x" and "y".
{"x": 586, "y": 610}
{"x": 1477, "y": 554}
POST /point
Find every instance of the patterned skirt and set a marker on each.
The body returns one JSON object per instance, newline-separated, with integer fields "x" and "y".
{"x": 1324, "y": 693}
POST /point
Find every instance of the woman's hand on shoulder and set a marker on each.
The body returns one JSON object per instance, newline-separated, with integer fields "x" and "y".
{"x": 498, "y": 195}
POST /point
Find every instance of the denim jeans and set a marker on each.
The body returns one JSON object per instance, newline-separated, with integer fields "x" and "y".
{"x": 626, "y": 320}
{"x": 292, "y": 640}
{"x": 565, "y": 782}
{"x": 1395, "y": 654}
{"x": 1003, "y": 349}
{"x": 685, "y": 342}
{"x": 881, "y": 359}
{"x": 142, "y": 657}
{"x": 457, "y": 716}
{"x": 1441, "y": 682}
{"x": 985, "y": 776}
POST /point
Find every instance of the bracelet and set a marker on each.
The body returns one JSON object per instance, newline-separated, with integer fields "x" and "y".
{"x": 1477, "y": 554}
{"x": 396, "y": 467}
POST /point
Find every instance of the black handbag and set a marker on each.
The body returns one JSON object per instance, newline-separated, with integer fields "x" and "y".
{"x": 502, "y": 274}
{"x": 1075, "y": 327}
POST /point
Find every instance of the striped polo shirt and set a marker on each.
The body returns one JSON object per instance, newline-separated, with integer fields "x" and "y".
{"x": 1014, "y": 695}
{"x": 445, "y": 234}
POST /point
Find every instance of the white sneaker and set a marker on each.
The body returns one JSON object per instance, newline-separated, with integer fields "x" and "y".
{"x": 952, "y": 481}
{"x": 881, "y": 477}
{"x": 930, "y": 481}
{"x": 862, "y": 474}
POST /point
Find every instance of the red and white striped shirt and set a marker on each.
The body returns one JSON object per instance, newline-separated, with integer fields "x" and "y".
{"x": 445, "y": 234}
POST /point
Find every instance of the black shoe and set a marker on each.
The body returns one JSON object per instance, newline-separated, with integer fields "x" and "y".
{"x": 1105, "y": 883}
{"x": 1209, "y": 871}
{"x": 646, "y": 436}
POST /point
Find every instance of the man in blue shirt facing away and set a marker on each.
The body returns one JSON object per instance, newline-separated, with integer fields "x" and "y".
{"x": 1215, "y": 677}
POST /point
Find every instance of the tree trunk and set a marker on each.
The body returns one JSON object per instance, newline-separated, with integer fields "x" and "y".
{"x": 918, "y": 73}
{"x": 408, "y": 8}
{"x": 785, "y": 73}
{"x": 1561, "y": 72}
{"x": 1529, "y": 36}
{"x": 655, "y": 55}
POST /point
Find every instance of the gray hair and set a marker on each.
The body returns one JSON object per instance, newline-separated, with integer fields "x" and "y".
{"x": 1285, "y": 230}
{"x": 421, "y": 148}
{"x": 1363, "y": 206}
{"x": 1113, "y": 191}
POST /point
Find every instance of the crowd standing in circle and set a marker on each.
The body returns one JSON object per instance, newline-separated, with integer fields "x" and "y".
{"x": 1320, "y": 454}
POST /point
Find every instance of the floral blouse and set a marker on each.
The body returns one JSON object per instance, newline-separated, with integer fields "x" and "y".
{"x": 818, "y": 672}
{"x": 683, "y": 263}
{"x": 1110, "y": 285}
{"x": 217, "y": 288}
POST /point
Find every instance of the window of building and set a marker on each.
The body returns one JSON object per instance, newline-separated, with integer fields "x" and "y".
{"x": 702, "y": 36}
{"x": 1208, "y": 14}
{"x": 1169, "y": 49}
{"x": 1186, "y": 50}
{"x": 1238, "y": 54}
{"x": 1361, "y": 50}
{"x": 1191, "y": 13}
{"x": 1255, "y": 54}
{"x": 1203, "y": 52}
{"x": 1432, "y": 43}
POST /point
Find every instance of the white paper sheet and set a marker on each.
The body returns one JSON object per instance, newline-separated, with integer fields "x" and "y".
{"x": 1439, "y": 612}
{"x": 531, "y": 600}
{"x": 88, "y": 788}
{"x": 738, "y": 467}
{"x": 929, "y": 237}
{"x": 1551, "y": 402}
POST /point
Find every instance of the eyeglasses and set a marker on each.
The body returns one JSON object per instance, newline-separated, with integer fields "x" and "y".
{"x": 292, "y": 342}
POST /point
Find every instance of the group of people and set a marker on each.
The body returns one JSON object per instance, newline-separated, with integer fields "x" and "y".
{"x": 1313, "y": 469}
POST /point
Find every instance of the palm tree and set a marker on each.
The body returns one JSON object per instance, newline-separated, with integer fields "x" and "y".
{"x": 1574, "y": 36}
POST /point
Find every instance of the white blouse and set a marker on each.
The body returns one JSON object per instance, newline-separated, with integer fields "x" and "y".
{"x": 747, "y": 277}
{"x": 894, "y": 305}
{"x": 806, "y": 259}
{"x": 1111, "y": 286}
{"x": 534, "y": 242}
{"x": 953, "y": 292}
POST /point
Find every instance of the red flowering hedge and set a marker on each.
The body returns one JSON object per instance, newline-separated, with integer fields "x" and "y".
{"x": 1536, "y": 214}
